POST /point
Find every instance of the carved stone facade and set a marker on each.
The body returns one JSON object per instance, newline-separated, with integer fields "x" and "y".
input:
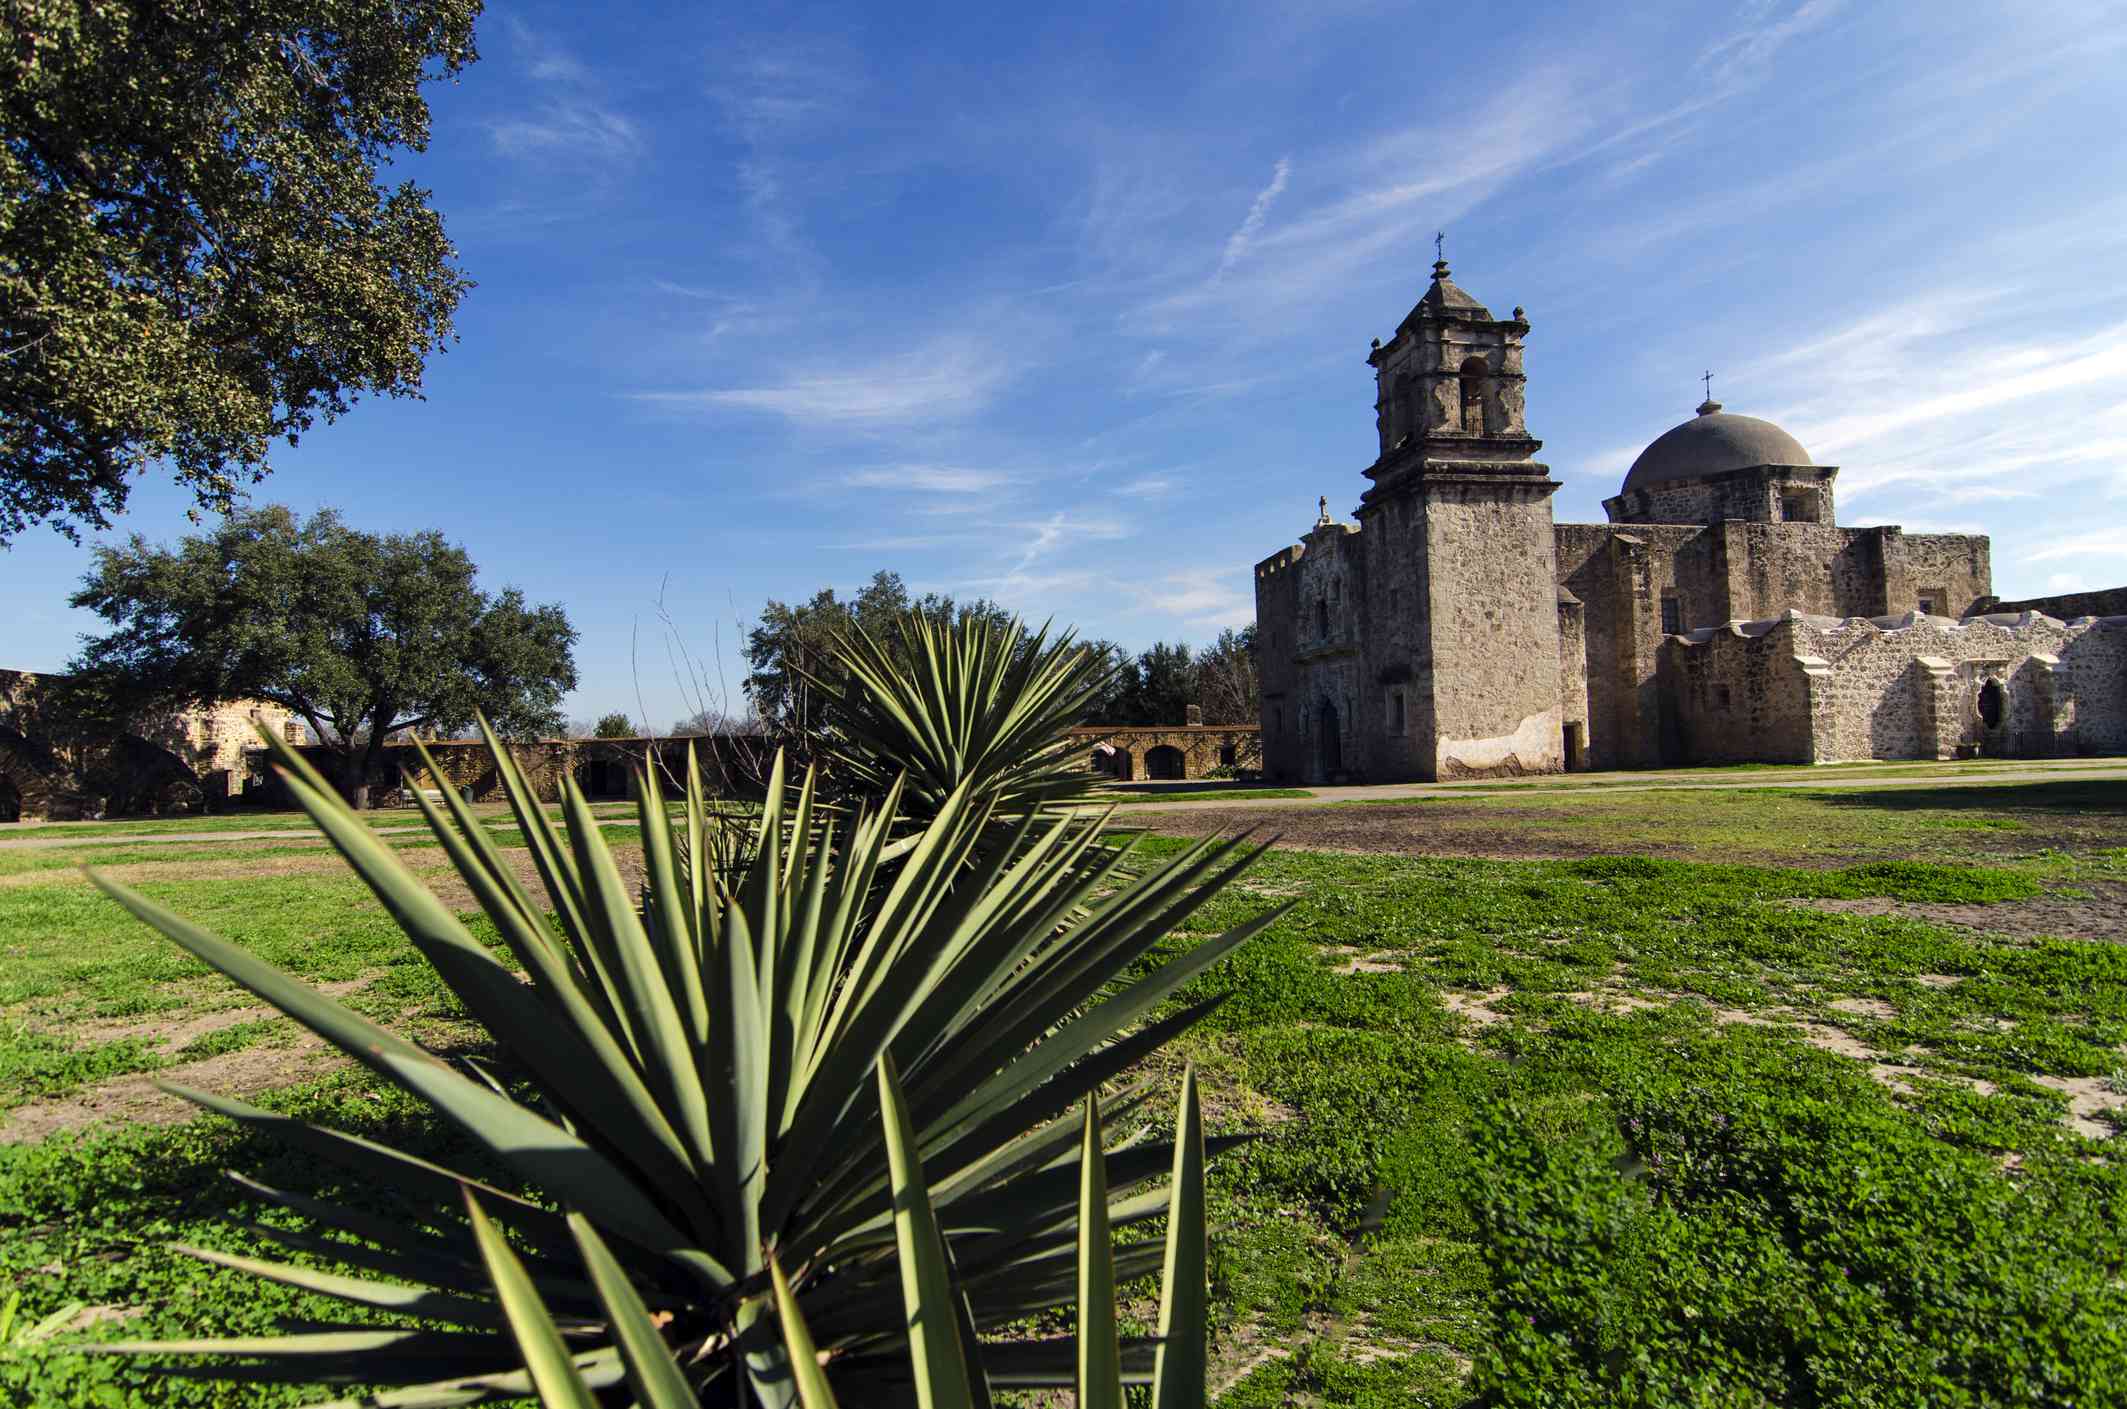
{"x": 1455, "y": 631}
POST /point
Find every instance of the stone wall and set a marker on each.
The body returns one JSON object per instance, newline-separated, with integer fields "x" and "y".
{"x": 2067, "y": 607}
{"x": 1955, "y": 573}
{"x": 1803, "y": 689}
{"x": 1125, "y": 752}
{"x": 1492, "y": 618}
{"x": 57, "y": 763}
{"x": 1277, "y": 641}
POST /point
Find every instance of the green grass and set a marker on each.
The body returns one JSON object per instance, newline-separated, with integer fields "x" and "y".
{"x": 1579, "y": 1201}
{"x": 1665, "y": 1205}
{"x": 1805, "y": 825}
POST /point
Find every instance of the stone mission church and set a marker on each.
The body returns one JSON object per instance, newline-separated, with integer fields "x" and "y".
{"x": 1722, "y": 614}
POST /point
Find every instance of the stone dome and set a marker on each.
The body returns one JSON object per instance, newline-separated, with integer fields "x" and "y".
{"x": 1708, "y": 444}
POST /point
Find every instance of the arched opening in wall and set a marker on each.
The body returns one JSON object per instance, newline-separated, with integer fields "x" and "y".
{"x": 1327, "y": 740}
{"x": 1473, "y": 407}
{"x": 603, "y": 778}
{"x": 1164, "y": 761}
{"x": 1991, "y": 704}
{"x": 1120, "y": 766}
{"x": 10, "y": 800}
{"x": 1401, "y": 422}
{"x": 1322, "y": 617}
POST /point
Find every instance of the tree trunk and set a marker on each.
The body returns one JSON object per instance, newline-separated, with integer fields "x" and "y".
{"x": 354, "y": 778}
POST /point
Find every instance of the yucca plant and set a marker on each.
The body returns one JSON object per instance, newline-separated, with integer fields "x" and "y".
{"x": 693, "y": 1080}
{"x": 947, "y": 1369}
{"x": 970, "y": 703}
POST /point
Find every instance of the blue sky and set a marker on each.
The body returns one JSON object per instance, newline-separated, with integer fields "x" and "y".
{"x": 1072, "y": 311}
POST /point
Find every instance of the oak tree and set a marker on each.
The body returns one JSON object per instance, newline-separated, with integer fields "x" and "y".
{"x": 363, "y": 635}
{"x": 197, "y": 259}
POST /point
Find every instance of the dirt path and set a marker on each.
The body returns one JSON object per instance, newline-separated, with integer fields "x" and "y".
{"x": 1605, "y": 784}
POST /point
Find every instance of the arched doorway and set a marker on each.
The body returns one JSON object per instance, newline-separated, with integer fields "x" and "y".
{"x": 1165, "y": 761}
{"x": 1123, "y": 771}
{"x": 1991, "y": 704}
{"x": 10, "y": 800}
{"x": 1327, "y": 742}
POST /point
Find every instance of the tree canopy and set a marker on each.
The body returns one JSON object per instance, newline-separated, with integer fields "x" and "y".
{"x": 196, "y": 257}
{"x": 363, "y": 635}
{"x": 791, "y": 641}
{"x": 616, "y": 725}
{"x": 1158, "y": 685}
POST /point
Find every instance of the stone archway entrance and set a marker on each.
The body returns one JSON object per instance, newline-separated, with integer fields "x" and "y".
{"x": 1329, "y": 744}
{"x": 1166, "y": 762}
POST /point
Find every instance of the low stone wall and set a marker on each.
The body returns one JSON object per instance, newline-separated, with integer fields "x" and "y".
{"x": 603, "y": 768}
{"x": 2067, "y": 607}
{"x": 1801, "y": 689}
{"x": 1132, "y": 753}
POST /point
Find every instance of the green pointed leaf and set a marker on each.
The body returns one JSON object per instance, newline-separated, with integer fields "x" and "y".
{"x": 546, "y": 1355}
{"x": 1100, "y": 1356}
{"x": 936, "y": 1355}
{"x": 652, "y": 1373}
{"x": 1180, "y": 1368}
{"x": 813, "y": 1390}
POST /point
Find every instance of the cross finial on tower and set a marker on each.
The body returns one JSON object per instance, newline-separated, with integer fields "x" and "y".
{"x": 1440, "y": 244}
{"x": 1707, "y": 377}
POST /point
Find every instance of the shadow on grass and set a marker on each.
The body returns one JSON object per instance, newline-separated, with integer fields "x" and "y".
{"x": 2105, "y": 798}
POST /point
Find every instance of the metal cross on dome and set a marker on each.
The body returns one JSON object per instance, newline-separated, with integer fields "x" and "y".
{"x": 1707, "y": 377}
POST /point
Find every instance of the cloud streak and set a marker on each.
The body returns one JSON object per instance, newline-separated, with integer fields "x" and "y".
{"x": 1258, "y": 212}
{"x": 945, "y": 379}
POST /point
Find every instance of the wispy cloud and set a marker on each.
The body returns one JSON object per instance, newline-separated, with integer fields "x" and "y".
{"x": 1767, "y": 27}
{"x": 1360, "y": 203}
{"x": 1201, "y": 597}
{"x": 1148, "y": 487}
{"x": 579, "y": 125}
{"x": 1959, "y": 397}
{"x": 928, "y": 479}
{"x": 1258, "y": 212}
{"x": 950, "y": 377}
{"x": 577, "y": 131}
{"x": 2109, "y": 543}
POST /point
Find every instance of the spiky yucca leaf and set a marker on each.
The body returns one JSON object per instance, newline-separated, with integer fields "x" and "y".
{"x": 695, "y": 1079}
{"x": 946, "y": 1359}
{"x": 975, "y": 702}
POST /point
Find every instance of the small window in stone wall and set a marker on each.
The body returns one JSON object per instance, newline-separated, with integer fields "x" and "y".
{"x": 1672, "y": 615}
{"x": 1395, "y": 712}
{"x": 1226, "y": 755}
{"x": 1322, "y": 617}
{"x": 1934, "y": 601}
{"x": 1799, "y": 505}
{"x": 1721, "y": 699}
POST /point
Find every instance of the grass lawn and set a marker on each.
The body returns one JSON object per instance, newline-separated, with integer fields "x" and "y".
{"x": 1783, "y": 1103}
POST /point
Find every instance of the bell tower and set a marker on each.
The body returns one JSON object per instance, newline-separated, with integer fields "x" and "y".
{"x": 1459, "y": 550}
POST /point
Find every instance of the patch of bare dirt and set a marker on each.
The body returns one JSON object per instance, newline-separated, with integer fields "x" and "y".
{"x": 1359, "y": 961}
{"x": 2089, "y": 1099}
{"x": 2090, "y": 909}
{"x": 138, "y": 1100}
{"x": 1475, "y": 1007}
{"x": 172, "y": 1030}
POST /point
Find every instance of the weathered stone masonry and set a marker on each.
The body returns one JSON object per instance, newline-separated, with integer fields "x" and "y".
{"x": 1456, "y": 631}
